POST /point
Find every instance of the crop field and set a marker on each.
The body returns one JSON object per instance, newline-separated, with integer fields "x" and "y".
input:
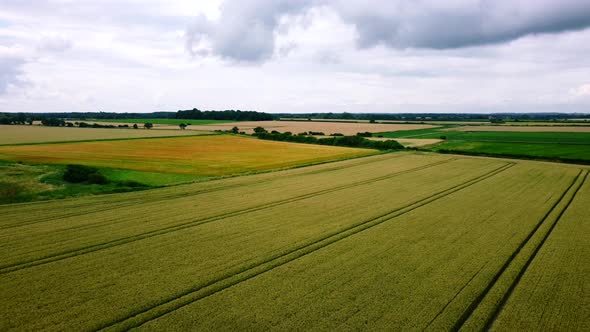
{"x": 212, "y": 155}
{"x": 568, "y": 146}
{"x": 328, "y": 128}
{"x": 42, "y": 134}
{"x": 161, "y": 121}
{"x": 391, "y": 241}
{"x": 530, "y": 129}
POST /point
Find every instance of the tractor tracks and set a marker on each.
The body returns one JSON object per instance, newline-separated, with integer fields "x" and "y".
{"x": 551, "y": 217}
{"x": 199, "y": 291}
{"x": 195, "y": 222}
{"x": 134, "y": 201}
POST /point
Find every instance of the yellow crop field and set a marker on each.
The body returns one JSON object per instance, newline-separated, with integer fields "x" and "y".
{"x": 386, "y": 242}
{"x": 42, "y": 134}
{"x": 198, "y": 155}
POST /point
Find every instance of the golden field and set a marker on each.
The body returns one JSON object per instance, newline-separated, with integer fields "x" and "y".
{"x": 211, "y": 155}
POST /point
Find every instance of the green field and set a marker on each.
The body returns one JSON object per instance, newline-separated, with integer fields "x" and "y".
{"x": 165, "y": 121}
{"x": 562, "y": 146}
{"x": 394, "y": 241}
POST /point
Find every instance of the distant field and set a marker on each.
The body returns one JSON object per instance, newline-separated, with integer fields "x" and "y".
{"x": 552, "y": 128}
{"x": 328, "y": 128}
{"x": 199, "y": 155}
{"x": 162, "y": 121}
{"x": 565, "y": 152}
{"x": 41, "y": 134}
{"x": 572, "y": 122}
{"x": 404, "y": 241}
{"x": 548, "y": 143}
{"x": 431, "y": 122}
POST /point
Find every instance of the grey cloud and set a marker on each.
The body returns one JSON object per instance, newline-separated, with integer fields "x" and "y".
{"x": 245, "y": 30}
{"x": 10, "y": 72}
{"x": 444, "y": 25}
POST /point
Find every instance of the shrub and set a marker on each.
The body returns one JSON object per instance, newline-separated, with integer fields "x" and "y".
{"x": 81, "y": 173}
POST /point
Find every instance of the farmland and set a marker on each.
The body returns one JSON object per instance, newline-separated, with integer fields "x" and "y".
{"x": 392, "y": 241}
{"x": 553, "y": 143}
{"x": 39, "y": 134}
{"x": 328, "y": 128}
{"x": 163, "y": 121}
{"x": 214, "y": 155}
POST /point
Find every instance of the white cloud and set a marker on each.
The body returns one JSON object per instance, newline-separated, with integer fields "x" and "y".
{"x": 582, "y": 90}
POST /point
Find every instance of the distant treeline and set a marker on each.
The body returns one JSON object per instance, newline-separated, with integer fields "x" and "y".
{"x": 237, "y": 115}
{"x": 194, "y": 114}
{"x": 438, "y": 116}
{"x": 230, "y": 115}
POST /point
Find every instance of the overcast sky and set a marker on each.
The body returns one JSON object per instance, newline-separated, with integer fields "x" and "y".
{"x": 295, "y": 56}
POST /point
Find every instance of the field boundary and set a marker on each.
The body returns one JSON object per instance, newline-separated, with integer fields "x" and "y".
{"x": 198, "y": 292}
{"x": 196, "y": 222}
{"x": 467, "y": 313}
{"x": 492, "y": 318}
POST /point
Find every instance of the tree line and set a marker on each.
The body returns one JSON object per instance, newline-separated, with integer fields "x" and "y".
{"x": 231, "y": 115}
{"x": 356, "y": 141}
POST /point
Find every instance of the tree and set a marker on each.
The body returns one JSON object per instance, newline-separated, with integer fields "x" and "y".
{"x": 148, "y": 125}
{"x": 135, "y": 126}
{"x": 259, "y": 130}
{"x": 182, "y": 126}
{"x": 235, "y": 130}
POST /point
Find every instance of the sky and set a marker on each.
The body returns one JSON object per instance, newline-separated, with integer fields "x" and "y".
{"x": 298, "y": 56}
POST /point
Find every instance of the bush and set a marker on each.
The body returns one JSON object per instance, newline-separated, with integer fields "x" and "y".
{"x": 81, "y": 173}
{"x": 97, "y": 178}
{"x": 259, "y": 130}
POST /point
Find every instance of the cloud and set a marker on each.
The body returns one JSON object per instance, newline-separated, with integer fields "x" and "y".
{"x": 455, "y": 24}
{"x": 12, "y": 60}
{"x": 582, "y": 90}
{"x": 54, "y": 44}
{"x": 245, "y": 31}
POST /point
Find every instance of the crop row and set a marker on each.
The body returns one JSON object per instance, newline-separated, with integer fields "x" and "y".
{"x": 178, "y": 226}
{"x": 110, "y": 284}
{"x": 396, "y": 275}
